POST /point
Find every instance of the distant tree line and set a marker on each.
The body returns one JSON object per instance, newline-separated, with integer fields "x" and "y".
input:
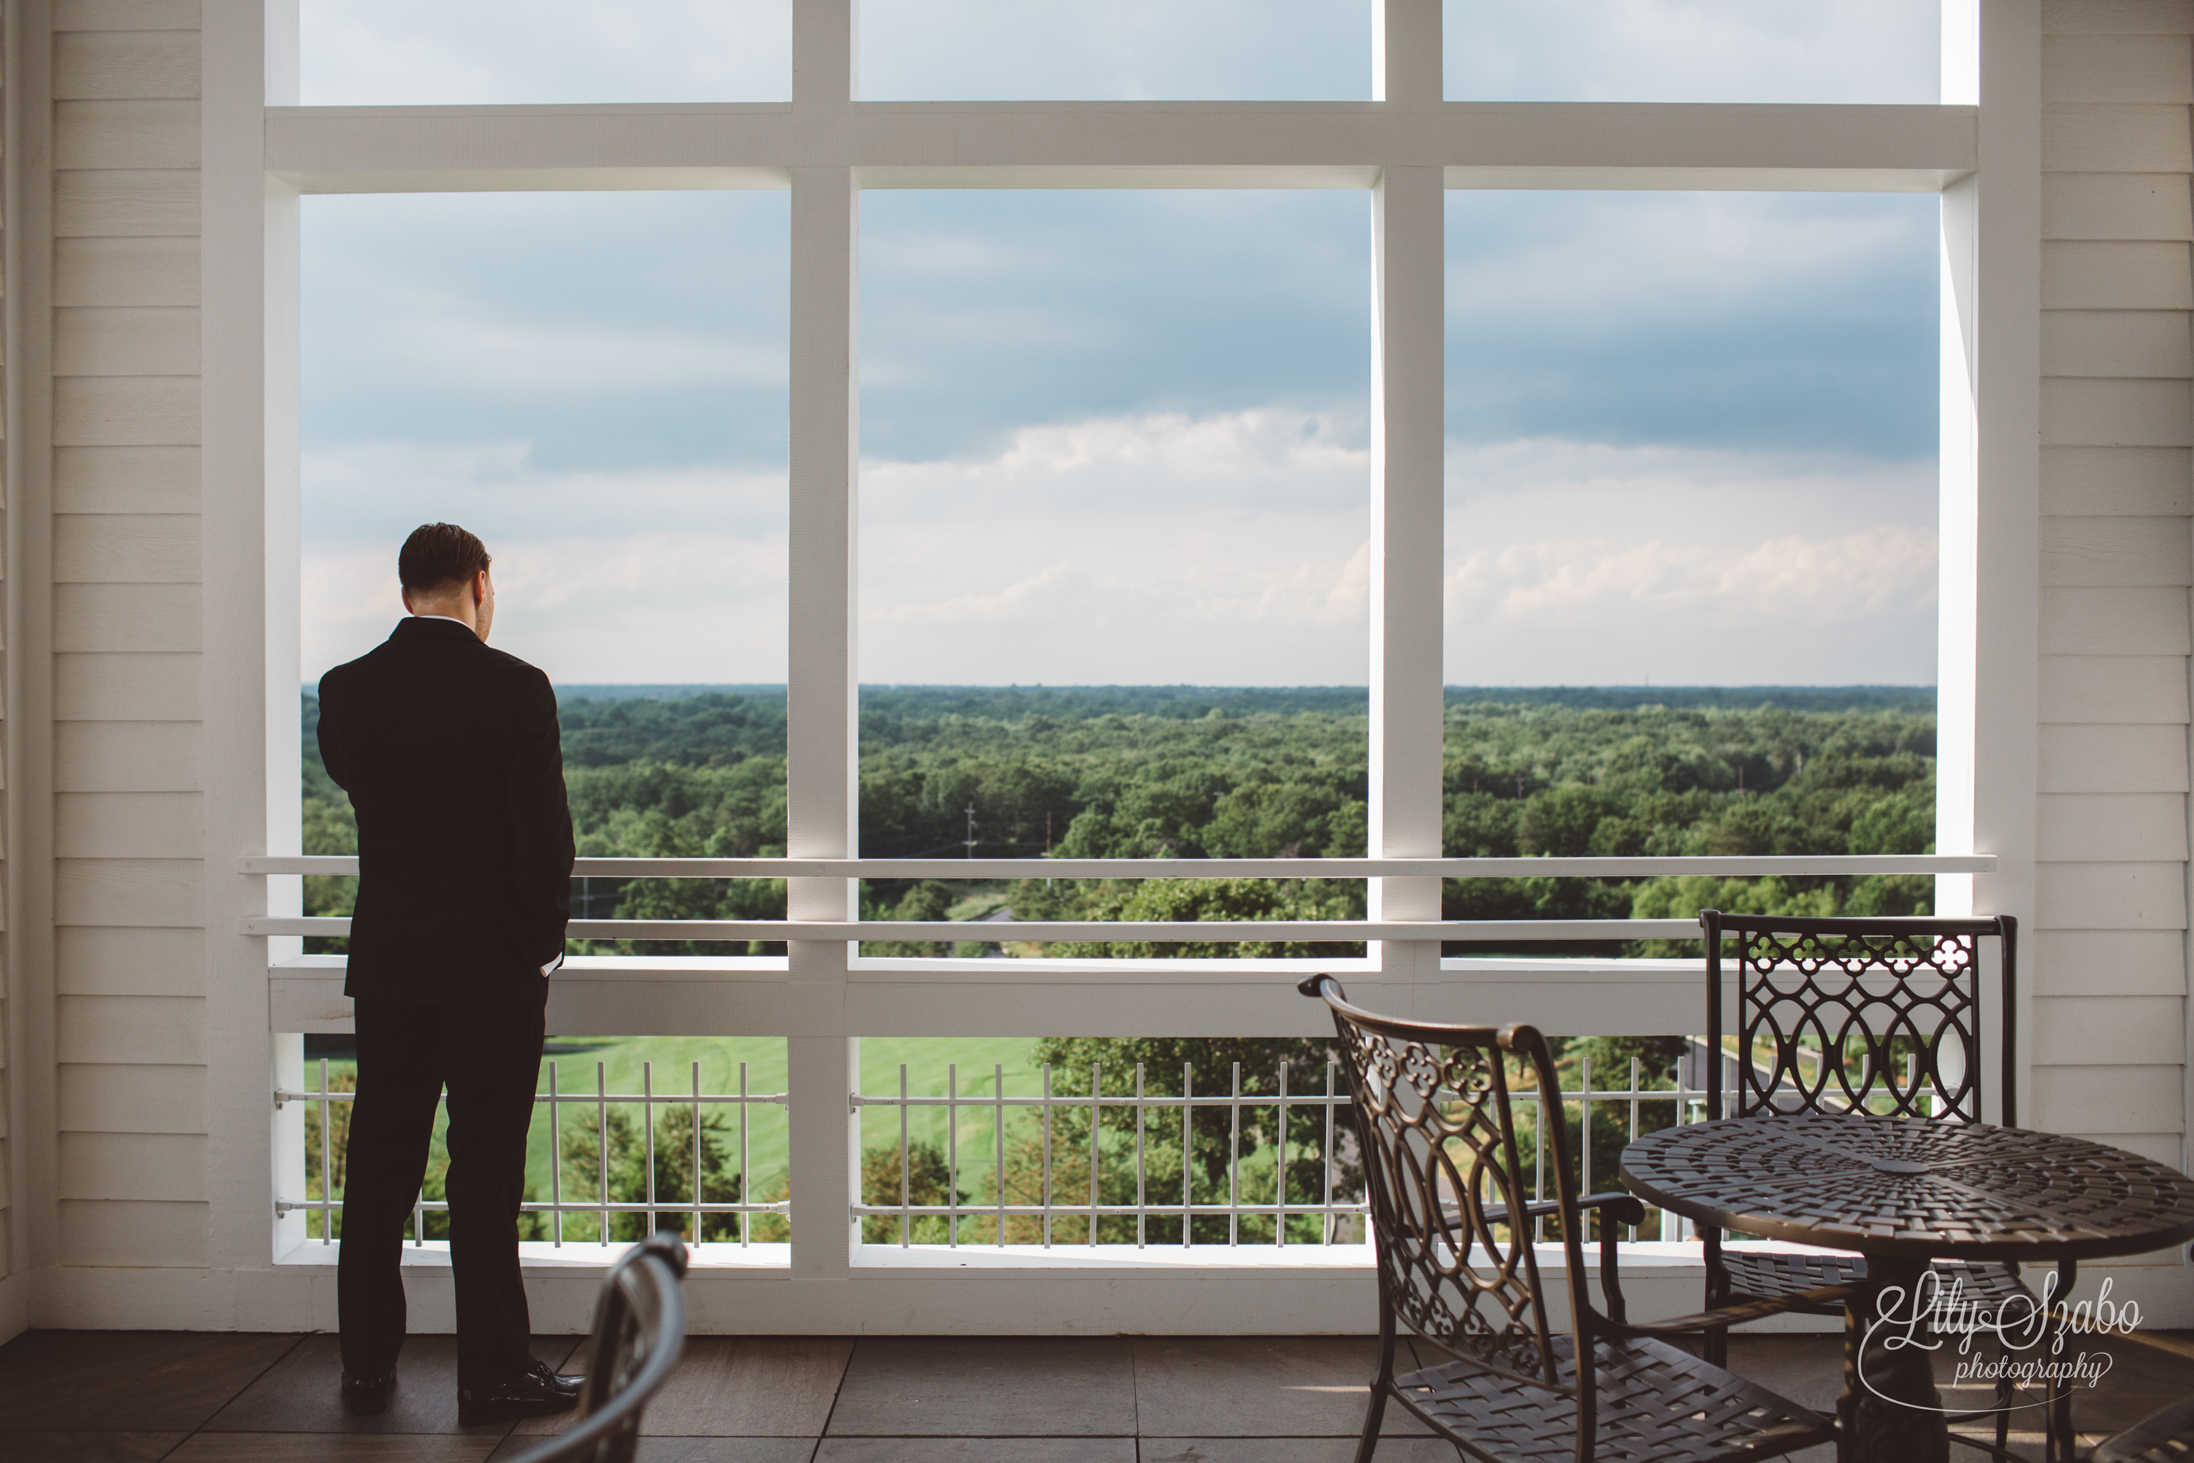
{"x": 1128, "y": 773}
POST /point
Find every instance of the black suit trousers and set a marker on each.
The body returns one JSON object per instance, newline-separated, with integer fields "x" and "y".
{"x": 490, "y": 1059}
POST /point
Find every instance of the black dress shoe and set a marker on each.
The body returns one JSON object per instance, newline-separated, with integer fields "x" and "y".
{"x": 534, "y": 1392}
{"x": 366, "y": 1396}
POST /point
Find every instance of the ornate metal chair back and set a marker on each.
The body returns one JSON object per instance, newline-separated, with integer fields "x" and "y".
{"x": 1872, "y": 1015}
{"x": 1448, "y": 1184}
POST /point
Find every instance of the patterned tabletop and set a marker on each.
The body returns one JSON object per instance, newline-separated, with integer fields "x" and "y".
{"x": 1913, "y": 1187}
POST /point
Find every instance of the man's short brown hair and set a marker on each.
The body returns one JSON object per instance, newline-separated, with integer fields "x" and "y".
{"x": 439, "y": 554}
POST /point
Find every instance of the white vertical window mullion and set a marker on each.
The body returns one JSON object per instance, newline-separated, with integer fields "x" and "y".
{"x": 1991, "y": 598}
{"x": 825, "y": 1150}
{"x": 1407, "y": 439}
{"x": 1405, "y": 52}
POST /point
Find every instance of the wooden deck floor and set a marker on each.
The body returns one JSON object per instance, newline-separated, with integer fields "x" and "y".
{"x": 141, "y": 1396}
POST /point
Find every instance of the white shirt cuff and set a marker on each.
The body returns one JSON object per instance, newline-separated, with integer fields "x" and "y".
{"x": 552, "y": 967}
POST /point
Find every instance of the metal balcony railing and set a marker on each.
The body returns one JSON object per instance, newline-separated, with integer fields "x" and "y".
{"x": 1166, "y": 1115}
{"x": 1065, "y": 1192}
{"x": 1050, "y": 1211}
{"x": 600, "y": 1205}
{"x": 980, "y": 1219}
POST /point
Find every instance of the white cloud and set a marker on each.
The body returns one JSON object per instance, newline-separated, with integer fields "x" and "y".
{"x": 393, "y": 52}
{"x": 448, "y": 339}
{"x": 495, "y": 489}
{"x": 659, "y": 575}
{"x": 1118, "y": 50}
{"x": 1005, "y": 605}
{"x": 1260, "y": 458}
{"x": 1876, "y": 571}
{"x": 1224, "y": 549}
{"x": 1621, "y": 258}
{"x": 1810, "y": 582}
{"x": 639, "y": 608}
{"x": 1309, "y": 592}
{"x": 428, "y": 51}
{"x": 1579, "y": 563}
{"x": 1693, "y": 50}
{"x": 1228, "y": 549}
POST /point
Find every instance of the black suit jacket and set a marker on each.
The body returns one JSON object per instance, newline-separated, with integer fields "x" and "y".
{"x": 452, "y": 758}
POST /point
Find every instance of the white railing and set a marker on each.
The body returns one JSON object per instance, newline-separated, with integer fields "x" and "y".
{"x": 319, "y": 1139}
{"x": 822, "y": 1004}
{"x": 1681, "y": 1103}
{"x": 1339, "y": 1214}
{"x": 1211, "y": 931}
{"x": 1093, "y": 1105}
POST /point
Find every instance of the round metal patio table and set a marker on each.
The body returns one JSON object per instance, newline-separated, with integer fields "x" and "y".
{"x": 1903, "y": 1192}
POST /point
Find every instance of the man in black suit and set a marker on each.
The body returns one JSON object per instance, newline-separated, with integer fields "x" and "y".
{"x": 451, "y": 755}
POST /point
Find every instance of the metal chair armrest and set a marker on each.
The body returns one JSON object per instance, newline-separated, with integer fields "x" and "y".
{"x": 1623, "y": 1208}
{"x": 1616, "y": 1208}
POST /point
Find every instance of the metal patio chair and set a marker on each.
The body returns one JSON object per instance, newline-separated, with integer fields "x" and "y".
{"x": 1457, "y": 1269}
{"x": 1893, "y": 1007}
{"x": 639, "y": 1330}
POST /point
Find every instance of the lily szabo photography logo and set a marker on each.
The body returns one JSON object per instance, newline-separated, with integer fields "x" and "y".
{"x": 2030, "y": 1336}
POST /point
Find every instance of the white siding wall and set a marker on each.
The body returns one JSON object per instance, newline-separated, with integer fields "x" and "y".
{"x": 2109, "y": 952}
{"x": 131, "y": 1171}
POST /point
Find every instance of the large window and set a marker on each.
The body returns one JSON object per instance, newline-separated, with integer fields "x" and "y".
{"x": 1139, "y": 433}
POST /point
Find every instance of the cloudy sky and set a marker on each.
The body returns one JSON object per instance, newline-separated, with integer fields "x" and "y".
{"x": 1120, "y": 437}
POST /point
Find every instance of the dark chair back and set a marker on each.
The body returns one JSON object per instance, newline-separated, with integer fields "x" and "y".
{"x": 1872, "y": 994}
{"x": 639, "y": 1329}
{"x": 1448, "y": 1187}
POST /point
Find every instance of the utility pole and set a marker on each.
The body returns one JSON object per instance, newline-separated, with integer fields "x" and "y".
{"x": 971, "y": 830}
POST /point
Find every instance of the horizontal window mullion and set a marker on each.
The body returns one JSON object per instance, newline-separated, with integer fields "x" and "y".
{"x": 1133, "y": 144}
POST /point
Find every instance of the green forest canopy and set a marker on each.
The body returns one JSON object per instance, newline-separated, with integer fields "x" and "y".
{"x": 1190, "y": 772}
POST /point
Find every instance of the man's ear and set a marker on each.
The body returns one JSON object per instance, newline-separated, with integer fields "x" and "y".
{"x": 479, "y": 588}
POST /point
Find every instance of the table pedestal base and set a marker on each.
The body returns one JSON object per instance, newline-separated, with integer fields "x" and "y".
{"x": 1890, "y": 1411}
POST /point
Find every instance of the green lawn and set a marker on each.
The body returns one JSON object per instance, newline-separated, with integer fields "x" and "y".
{"x": 620, "y": 1065}
{"x": 929, "y": 1062}
{"x": 627, "y": 1065}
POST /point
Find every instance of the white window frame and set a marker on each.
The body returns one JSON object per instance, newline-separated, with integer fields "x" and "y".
{"x": 1404, "y": 148}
